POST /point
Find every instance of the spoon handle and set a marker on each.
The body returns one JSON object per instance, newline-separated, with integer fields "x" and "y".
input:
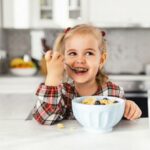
{"x": 70, "y": 67}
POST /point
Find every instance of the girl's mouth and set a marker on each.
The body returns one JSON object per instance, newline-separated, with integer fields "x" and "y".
{"x": 80, "y": 70}
{"x": 77, "y": 69}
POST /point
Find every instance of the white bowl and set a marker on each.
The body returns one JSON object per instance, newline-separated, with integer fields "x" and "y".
{"x": 99, "y": 118}
{"x": 23, "y": 71}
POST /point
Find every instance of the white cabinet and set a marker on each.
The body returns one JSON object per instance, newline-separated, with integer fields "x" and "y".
{"x": 120, "y": 13}
{"x": 59, "y": 13}
{"x": 44, "y": 13}
{"x": 64, "y": 13}
{"x": 16, "y": 14}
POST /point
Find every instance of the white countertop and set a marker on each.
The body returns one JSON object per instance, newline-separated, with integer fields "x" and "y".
{"x": 29, "y": 135}
{"x": 18, "y": 84}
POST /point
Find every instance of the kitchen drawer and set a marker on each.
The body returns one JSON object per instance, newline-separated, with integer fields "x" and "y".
{"x": 16, "y": 106}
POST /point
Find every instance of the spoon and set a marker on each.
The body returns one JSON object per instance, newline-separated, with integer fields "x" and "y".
{"x": 73, "y": 69}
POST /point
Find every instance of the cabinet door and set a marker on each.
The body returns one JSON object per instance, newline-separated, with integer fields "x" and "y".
{"x": 43, "y": 13}
{"x": 74, "y": 12}
{"x": 16, "y": 13}
{"x": 78, "y": 11}
{"x": 58, "y": 13}
{"x": 119, "y": 13}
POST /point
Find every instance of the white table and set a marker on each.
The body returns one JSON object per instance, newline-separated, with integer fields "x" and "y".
{"x": 29, "y": 135}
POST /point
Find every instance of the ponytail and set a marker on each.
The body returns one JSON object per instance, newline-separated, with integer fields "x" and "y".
{"x": 59, "y": 43}
{"x": 101, "y": 77}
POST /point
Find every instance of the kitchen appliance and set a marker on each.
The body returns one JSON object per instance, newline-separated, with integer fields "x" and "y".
{"x": 36, "y": 47}
{"x": 3, "y": 62}
{"x": 137, "y": 92}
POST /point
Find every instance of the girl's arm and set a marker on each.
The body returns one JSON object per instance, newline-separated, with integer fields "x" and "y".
{"x": 51, "y": 105}
{"x": 132, "y": 110}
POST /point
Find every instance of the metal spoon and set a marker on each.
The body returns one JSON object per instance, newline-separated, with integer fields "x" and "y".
{"x": 73, "y": 69}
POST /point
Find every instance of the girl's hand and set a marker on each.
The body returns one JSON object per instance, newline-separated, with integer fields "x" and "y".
{"x": 132, "y": 111}
{"x": 55, "y": 68}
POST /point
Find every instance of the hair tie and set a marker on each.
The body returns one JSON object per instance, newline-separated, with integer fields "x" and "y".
{"x": 67, "y": 29}
{"x": 103, "y": 33}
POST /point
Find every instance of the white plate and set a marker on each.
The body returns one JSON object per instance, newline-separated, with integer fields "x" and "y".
{"x": 23, "y": 71}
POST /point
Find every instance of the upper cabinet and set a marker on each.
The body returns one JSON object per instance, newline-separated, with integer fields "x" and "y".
{"x": 119, "y": 13}
{"x": 58, "y": 13}
{"x": 44, "y": 13}
{"x": 64, "y": 13}
{"x": 16, "y": 13}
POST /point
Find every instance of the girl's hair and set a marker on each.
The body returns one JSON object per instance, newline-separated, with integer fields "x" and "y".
{"x": 83, "y": 29}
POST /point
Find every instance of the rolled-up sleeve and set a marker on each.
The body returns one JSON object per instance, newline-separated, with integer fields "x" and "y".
{"x": 50, "y": 105}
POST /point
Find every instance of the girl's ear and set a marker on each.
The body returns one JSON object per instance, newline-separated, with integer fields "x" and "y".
{"x": 103, "y": 59}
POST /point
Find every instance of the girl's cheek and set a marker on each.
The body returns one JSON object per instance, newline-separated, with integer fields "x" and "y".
{"x": 69, "y": 60}
{"x": 68, "y": 73}
{"x": 65, "y": 67}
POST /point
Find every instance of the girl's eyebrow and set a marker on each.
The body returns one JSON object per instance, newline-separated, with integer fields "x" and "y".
{"x": 90, "y": 49}
{"x": 84, "y": 49}
{"x": 70, "y": 50}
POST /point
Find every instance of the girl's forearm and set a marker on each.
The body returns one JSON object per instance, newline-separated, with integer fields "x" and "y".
{"x": 52, "y": 81}
{"x": 53, "y": 114}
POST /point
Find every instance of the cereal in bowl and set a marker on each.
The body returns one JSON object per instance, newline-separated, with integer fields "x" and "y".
{"x": 104, "y": 101}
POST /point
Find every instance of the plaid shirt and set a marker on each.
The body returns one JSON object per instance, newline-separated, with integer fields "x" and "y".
{"x": 54, "y": 102}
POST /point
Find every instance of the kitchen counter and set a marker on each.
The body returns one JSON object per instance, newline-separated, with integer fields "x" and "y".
{"x": 18, "y": 84}
{"x": 29, "y": 135}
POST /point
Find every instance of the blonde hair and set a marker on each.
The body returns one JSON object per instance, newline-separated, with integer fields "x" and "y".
{"x": 83, "y": 29}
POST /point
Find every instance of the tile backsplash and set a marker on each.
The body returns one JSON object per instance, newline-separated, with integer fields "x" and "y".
{"x": 17, "y": 42}
{"x": 128, "y": 48}
{"x": 2, "y": 39}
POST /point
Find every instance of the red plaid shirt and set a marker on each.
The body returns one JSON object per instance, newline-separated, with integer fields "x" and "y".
{"x": 54, "y": 102}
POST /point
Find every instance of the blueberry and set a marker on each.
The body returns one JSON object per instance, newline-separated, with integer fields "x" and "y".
{"x": 97, "y": 103}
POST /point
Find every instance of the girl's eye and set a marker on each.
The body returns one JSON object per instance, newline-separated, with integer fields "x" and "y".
{"x": 89, "y": 53}
{"x": 72, "y": 54}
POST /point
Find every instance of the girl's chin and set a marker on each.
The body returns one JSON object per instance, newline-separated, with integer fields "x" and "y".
{"x": 81, "y": 81}
{"x": 80, "y": 77}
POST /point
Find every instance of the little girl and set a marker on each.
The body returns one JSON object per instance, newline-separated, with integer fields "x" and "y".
{"x": 80, "y": 53}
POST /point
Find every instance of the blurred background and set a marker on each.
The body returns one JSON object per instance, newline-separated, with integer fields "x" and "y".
{"x": 24, "y": 23}
{"x": 28, "y": 27}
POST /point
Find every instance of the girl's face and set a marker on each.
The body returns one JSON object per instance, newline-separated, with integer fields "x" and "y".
{"x": 82, "y": 53}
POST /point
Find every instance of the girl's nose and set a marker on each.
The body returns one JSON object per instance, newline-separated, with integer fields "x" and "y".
{"x": 80, "y": 60}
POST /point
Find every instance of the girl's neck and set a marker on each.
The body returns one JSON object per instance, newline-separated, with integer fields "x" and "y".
{"x": 86, "y": 89}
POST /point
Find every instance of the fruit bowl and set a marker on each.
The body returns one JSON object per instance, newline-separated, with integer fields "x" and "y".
{"x": 23, "y": 71}
{"x": 98, "y": 118}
